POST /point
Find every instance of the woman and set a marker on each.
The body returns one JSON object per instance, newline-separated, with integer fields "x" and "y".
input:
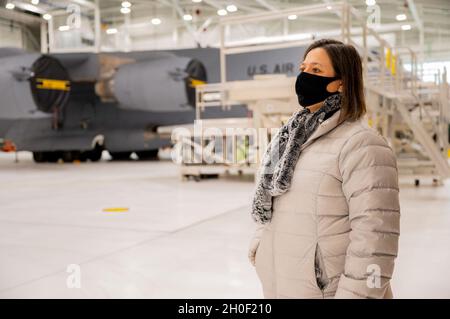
{"x": 326, "y": 202}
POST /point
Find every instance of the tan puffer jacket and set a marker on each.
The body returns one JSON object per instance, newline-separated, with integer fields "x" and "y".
{"x": 335, "y": 232}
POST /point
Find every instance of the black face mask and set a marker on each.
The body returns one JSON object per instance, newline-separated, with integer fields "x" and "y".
{"x": 312, "y": 89}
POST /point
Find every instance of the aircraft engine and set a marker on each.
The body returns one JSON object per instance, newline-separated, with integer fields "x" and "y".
{"x": 164, "y": 84}
{"x": 50, "y": 84}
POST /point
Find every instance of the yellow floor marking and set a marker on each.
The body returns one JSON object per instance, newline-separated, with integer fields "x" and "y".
{"x": 116, "y": 210}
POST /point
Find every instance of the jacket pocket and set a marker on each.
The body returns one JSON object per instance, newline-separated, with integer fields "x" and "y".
{"x": 319, "y": 269}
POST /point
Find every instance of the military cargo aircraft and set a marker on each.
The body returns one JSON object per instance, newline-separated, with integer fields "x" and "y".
{"x": 72, "y": 106}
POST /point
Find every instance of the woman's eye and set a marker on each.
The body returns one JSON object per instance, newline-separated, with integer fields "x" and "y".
{"x": 316, "y": 70}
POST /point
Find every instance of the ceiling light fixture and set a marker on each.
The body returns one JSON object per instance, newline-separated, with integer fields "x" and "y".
{"x": 231, "y": 8}
{"x": 400, "y": 17}
{"x": 222, "y": 12}
{"x": 64, "y": 28}
{"x": 111, "y": 31}
{"x": 406, "y": 27}
{"x": 292, "y": 17}
{"x": 156, "y": 21}
{"x": 125, "y": 10}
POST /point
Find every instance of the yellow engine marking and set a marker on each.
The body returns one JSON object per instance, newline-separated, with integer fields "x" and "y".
{"x": 195, "y": 82}
{"x": 116, "y": 210}
{"x": 52, "y": 84}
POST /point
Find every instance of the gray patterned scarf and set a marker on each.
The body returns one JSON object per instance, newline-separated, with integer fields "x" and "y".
{"x": 282, "y": 154}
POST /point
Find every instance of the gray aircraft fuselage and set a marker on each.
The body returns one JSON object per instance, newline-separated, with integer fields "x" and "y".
{"x": 76, "y": 102}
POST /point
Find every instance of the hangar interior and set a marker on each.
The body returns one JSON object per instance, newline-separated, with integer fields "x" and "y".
{"x": 131, "y": 131}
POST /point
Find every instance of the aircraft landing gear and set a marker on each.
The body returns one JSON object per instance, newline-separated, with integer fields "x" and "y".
{"x": 93, "y": 155}
{"x": 39, "y": 157}
{"x": 43, "y": 157}
{"x": 70, "y": 156}
{"x": 120, "y": 156}
{"x": 96, "y": 154}
{"x": 147, "y": 155}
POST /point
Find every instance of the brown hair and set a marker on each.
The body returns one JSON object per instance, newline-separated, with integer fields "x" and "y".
{"x": 348, "y": 67}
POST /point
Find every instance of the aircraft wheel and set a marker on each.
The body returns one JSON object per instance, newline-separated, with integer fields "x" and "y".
{"x": 120, "y": 156}
{"x": 96, "y": 153}
{"x": 83, "y": 157}
{"x": 53, "y": 157}
{"x": 70, "y": 156}
{"x": 147, "y": 155}
{"x": 39, "y": 157}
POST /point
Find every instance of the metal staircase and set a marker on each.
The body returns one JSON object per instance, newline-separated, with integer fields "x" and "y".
{"x": 411, "y": 114}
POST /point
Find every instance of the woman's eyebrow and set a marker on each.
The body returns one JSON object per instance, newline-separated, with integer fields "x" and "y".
{"x": 313, "y": 63}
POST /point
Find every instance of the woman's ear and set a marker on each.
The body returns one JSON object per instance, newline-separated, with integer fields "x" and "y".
{"x": 340, "y": 89}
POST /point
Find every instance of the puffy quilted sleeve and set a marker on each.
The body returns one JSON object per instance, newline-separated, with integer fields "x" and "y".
{"x": 370, "y": 184}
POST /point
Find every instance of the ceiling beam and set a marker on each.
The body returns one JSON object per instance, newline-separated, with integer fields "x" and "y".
{"x": 214, "y": 4}
{"x": 267, "y": 5}
{"x": 415, "y": 14}
{"x": 188, "y": 26}
{"x": 20, "y": 17}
